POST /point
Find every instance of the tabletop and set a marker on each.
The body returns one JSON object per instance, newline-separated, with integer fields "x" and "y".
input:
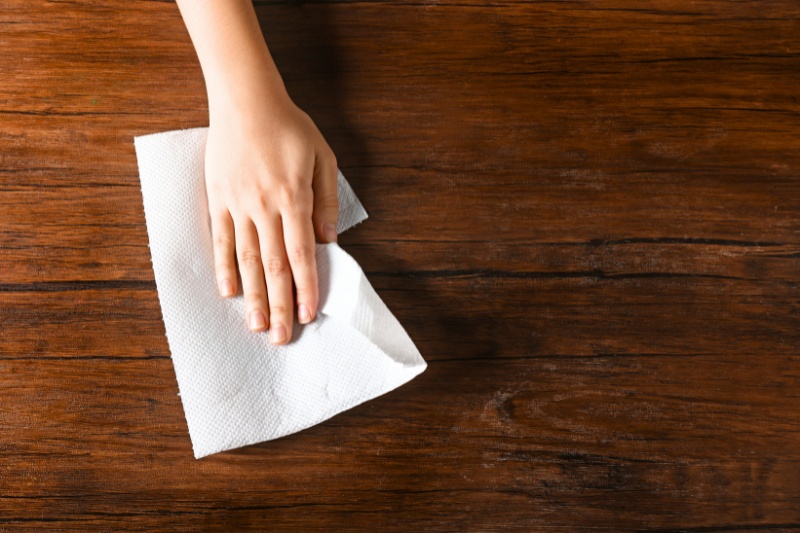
{"x": 586, "y": 215}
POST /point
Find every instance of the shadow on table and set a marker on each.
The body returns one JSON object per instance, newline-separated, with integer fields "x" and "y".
{"x": 307, "y": 50}
{"x": 303, "y": 42}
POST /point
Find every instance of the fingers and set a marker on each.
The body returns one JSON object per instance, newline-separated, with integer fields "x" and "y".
{"x": 250, "y": 267}
{"x": 222, "y": 233}
{"x": 279, "y": 279}
{"x": 326, "y": 197}
{"x": 276, "y": 250}
{"x": 298, "y": 231}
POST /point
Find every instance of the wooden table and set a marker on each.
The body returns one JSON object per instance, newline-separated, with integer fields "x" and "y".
{"x": 586, "y": 215}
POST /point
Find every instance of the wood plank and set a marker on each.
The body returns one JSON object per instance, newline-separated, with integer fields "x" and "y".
{"x": 487, "y": 316}
{"x": 537, "y": 441}
{"x": 607, "y": 171}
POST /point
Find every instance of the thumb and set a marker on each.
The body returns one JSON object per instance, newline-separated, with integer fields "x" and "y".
{"x": 326, "y": 197}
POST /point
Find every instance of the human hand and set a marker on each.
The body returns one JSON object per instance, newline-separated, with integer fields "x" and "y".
{"x": 271, "y": 182}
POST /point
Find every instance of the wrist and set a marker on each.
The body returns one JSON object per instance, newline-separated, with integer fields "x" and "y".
{"x": 239, "y": 72}
{"x": 242, "y": 95}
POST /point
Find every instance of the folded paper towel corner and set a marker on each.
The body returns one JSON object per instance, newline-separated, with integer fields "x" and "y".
{"x": 236, "y": 387}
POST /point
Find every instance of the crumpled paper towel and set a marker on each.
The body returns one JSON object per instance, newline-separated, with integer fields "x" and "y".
{"x": 236, "y": 387}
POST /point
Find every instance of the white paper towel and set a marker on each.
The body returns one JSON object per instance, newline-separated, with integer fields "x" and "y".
{"x": 236, "y": 387}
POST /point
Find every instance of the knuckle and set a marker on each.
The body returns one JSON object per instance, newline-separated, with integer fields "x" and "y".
{"x": 331, "y": 158}
{"x": 253, "y": 304}
{"x": 295, "y": 197}
{"x": 328, "y": 201}
{"x": 254, "y": 299}
{"x": 215, "y": 186}
{"x": 305, "y": 294}
{"x": 258, "y": 201}
{"x": 217, "y": 208}
{"x": 249, "y": 258}
{"x": 263, "y": 200}
{"x": 222, "y": 241}
{"x": 276, "y": 266}
{"x": 224, "y": 268}
{"x": 299, "y": 255}
{"x": 278, "y": 310}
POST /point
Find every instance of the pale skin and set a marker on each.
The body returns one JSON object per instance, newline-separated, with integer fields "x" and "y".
{"x": 270, "y": 175}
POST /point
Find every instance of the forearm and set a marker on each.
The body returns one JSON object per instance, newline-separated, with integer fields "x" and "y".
{"x": 235, "y": 60}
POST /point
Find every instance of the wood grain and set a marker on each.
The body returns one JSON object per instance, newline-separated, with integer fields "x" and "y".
{"x": 586, "y": 214}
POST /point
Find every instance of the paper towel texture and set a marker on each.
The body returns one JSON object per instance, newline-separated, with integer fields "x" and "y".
{"x": 235, "y": 386}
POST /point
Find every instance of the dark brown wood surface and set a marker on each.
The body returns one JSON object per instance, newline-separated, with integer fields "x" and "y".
{"x": 586, "y": 215}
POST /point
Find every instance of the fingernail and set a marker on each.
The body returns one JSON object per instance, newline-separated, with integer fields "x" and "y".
{"x": 330, "y": 232}
{"x": 277, "y": 334}
{"x": 257, "y": 320}
{"x": 303, "y": 314}
{"x": 226, "y": 287}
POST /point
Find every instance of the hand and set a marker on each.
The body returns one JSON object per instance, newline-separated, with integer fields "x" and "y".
{"x": 271, "y": 181}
